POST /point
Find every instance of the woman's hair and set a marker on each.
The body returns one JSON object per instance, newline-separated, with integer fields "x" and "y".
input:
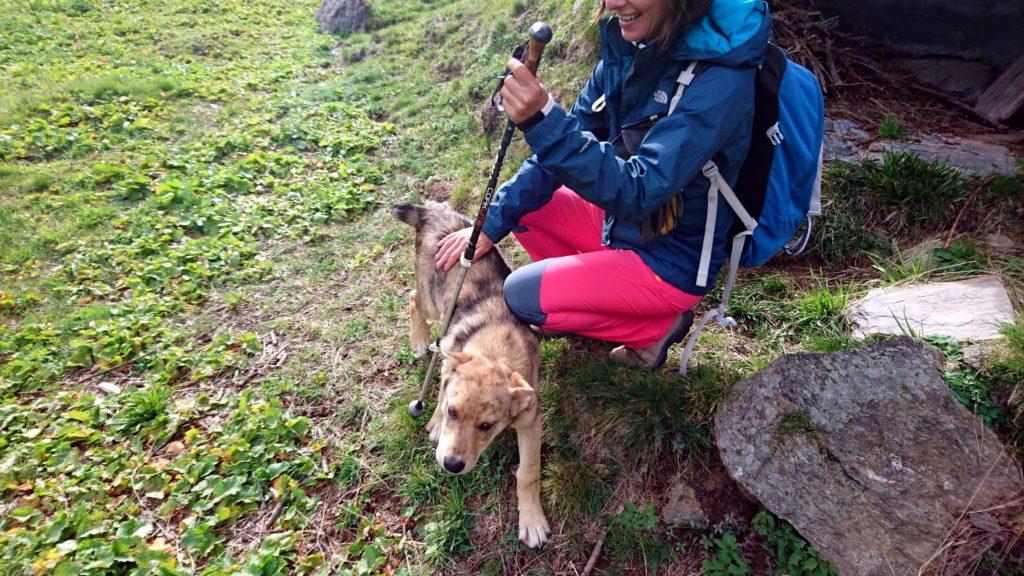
{"x": 678, "y": 15}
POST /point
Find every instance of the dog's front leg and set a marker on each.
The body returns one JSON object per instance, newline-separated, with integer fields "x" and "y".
{"x": 533, "y": 526}
{"x": 419, "y": 332}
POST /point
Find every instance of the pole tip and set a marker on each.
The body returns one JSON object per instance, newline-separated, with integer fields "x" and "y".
{"x": 416, "y": 408}
{"x": 541, "y": 32}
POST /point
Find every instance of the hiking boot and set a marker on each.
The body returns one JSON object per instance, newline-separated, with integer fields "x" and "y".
{"x": 653, "y": 356}
{"x": 549, "y": 334}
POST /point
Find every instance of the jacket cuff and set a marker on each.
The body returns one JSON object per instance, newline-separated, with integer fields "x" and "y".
{"x": 547, "y": 131}
{"x": 494, "y": 230}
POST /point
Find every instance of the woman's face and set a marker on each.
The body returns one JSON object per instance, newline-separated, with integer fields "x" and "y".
{"x": 638, "y": 19}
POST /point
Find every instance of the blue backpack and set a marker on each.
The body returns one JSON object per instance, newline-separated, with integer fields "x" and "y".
{"x": 779, "y": 186}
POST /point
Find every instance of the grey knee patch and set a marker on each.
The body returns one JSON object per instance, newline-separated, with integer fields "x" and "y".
{"x": 522, "y": 293}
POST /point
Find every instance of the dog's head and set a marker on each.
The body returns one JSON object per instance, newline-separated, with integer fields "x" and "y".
{"x": 481, "y": 398}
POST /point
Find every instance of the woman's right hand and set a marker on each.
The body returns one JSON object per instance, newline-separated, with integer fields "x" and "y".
{"x": 451, "y": 247}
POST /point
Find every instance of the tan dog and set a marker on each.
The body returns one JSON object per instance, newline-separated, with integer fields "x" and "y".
{"x": 490, "y": 360}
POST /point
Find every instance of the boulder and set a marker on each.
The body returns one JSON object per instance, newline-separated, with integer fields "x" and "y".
{"x": 968, "y": 154}
{"x": 345, "y": 15}
{"x": 965, "y": 309}
{"x": 866, "y": 452}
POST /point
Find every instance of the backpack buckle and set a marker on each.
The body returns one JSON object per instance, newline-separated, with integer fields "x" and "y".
{"x": 774, "y": 134}
{"x": 710, "y": 170}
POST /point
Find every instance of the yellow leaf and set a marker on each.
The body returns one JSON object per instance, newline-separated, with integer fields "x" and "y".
{"x": 45, "y": 563}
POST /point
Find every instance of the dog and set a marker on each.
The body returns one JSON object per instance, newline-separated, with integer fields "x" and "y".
{"x": 491, "y": 362}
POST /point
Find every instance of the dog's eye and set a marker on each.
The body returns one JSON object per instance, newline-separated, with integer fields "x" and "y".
{"x": 485, "y": 426}
{"x": 452, "y": 414}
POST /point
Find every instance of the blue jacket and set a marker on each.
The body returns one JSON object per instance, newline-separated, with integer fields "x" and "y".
{"x": 712, "y": 121}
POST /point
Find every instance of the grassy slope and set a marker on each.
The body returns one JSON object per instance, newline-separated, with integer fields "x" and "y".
{"x": 317, "y": 327}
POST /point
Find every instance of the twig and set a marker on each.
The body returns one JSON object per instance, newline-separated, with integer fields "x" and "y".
{"x": 963, "y": 208}
{"x": 595, "y": 554}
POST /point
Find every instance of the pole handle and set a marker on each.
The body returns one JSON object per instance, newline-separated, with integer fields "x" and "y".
{"x": 540, "y": 35}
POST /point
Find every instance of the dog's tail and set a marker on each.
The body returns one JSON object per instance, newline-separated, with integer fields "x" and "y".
{"x": 411, "y": 214}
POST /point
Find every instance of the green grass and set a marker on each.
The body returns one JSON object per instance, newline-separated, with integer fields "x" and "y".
{"x": 890, "y": 128}
{"x": 203, "y": 360}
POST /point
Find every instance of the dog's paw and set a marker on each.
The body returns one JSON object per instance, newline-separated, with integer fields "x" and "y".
{"x": 434, "y": 427}
{"x": 419, "y": 349}
{"x": 533, "y": 527}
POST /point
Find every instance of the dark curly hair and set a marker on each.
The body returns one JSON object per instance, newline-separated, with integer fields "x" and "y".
{"x": 679, "y": 15}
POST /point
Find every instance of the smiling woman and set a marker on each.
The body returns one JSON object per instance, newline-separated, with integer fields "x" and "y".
{"x": 653, "y": 20}
{"x": 614, "y": 205}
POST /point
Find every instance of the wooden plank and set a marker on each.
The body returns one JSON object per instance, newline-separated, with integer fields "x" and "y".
{"x": 1005, "y": 97}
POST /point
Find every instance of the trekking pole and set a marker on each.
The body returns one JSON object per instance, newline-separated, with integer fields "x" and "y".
{"x": 540, "y": 35}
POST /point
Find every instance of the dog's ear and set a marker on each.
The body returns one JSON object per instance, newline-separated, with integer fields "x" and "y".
{"x": 459, "y": 357}
{"x": 523, "y": 395}
{"x": 451, "y": 363}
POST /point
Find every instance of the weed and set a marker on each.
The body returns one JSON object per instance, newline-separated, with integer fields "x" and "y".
{"x": 971, "y": 388}
{"x": 890, "y": 128}
{"x": 798, "y": 423}
{"x": 447, "y": 534}
{"x": 647, "y": 415}
{"x": 572, "y": 486}
{"x": 143, "y": 409}
{"x": 636, "y": 533}
{"x": 790, "y": 554}
{"x": 725, "y": 559}
{"x": 920, "y": 193}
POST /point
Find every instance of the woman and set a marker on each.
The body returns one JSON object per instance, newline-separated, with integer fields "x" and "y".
{"x": 616, "y": 235}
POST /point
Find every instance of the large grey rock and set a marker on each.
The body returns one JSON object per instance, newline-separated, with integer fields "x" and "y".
{"x": 965, "y": 309}
{"x": 842, "y": 141}
{"x": 346, "y": 15}
{"x": 971, "y": 156}
{"x": 866, "y": 452}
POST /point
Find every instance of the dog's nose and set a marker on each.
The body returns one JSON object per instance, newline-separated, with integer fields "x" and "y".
{"x": 453, "y": 465}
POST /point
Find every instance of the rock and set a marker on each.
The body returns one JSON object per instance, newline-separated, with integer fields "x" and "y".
{"x": 966, "y": 309}
{"x": 866, "y": 452}
{"x": 842, "y": 141}
{"x": 682, "y": 506}
{"x": 977, "y": 355}
{"x": 345, "y": 15}
{"x": 923, "y": 253}
{"x": 971, "y": 156}
{"x": 1000, "y": 242}
{"x": 966, "y": 79}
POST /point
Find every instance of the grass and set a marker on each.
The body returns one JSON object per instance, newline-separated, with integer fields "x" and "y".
{"x": 890, "y": 128}
{"x": 203, "y": 361}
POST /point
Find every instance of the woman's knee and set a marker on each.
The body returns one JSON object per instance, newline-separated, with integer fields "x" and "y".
{"x": 522, "y": 293}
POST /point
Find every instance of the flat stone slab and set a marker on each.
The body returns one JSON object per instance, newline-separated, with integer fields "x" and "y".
{"x": 965, "y": 309}
{"x": 971, "y": 156}
{"x": 866, "y": 452}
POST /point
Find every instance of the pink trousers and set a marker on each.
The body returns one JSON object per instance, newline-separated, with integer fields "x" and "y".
{"x": 577, "y": 285}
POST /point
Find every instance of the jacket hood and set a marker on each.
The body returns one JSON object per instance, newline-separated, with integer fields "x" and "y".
{"x": 732, "y": 33}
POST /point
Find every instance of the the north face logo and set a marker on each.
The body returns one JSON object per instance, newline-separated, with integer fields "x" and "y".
{"x": 661, "y": 97}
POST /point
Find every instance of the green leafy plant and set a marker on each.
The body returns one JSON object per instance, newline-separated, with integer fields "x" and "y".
{"x": 636, "y": 532}
{"x": 790, "y": 554}
{"x": 725, "y": 558}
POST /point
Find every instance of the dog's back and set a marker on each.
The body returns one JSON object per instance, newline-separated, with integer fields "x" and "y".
{"x": 432, "y": 222}
{"x": 481, "y": 313}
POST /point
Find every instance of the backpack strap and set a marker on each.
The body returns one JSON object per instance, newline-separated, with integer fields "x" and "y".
{"x": 684, "y": 79}
{"x": 717, "y": 186}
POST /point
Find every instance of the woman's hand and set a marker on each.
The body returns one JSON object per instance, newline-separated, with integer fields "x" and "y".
{"x": 451, "y": 247}
{"x": 522, "y": 95}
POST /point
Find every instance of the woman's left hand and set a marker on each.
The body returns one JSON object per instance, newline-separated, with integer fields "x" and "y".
{"x": 522, "y": 95}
